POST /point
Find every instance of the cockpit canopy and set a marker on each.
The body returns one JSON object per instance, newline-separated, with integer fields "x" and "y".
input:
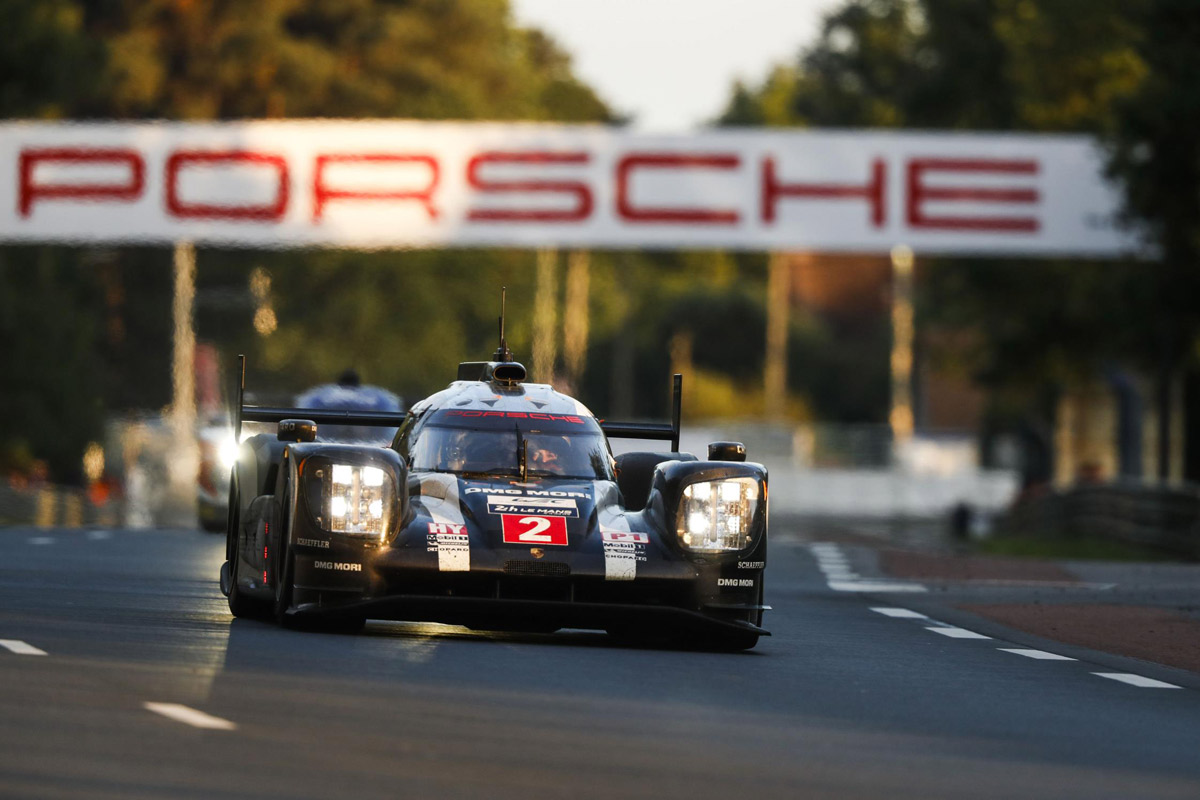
{"x": 493, "y": 443}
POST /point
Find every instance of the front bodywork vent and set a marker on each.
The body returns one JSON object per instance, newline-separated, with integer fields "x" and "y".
{"x": 542, "y": 569}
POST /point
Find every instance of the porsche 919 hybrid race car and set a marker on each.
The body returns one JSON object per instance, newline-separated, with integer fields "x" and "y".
{"x": 497, "y": 506}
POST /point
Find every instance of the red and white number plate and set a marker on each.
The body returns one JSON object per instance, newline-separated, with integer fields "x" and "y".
{"x": 528, "y": 529}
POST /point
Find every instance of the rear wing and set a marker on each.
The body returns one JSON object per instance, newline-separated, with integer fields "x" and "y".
{"x": 321, "y": 416}
{"x": 652, "y": 430}
{"x": 387, "y": 419}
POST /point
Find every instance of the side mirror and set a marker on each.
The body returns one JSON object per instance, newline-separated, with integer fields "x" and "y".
{"x": 296, "y": 430}
{"x": 726, "y": 451}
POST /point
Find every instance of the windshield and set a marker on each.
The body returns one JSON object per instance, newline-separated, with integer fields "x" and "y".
{"x": 466, "y": 451}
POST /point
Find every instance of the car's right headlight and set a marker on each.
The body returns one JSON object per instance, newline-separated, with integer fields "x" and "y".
{"x": 715, "y": 516}
{"x": 354, "y": 499}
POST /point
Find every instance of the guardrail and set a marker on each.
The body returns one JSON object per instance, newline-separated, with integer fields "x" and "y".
{"x": 1164, "y": 518}
{"x": 50, "y": 506}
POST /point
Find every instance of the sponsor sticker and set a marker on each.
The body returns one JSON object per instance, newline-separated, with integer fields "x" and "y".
{"x": 739, "y": 583}
{"x": 454, "y": 552}
{"x": 528, "y": 492}
{"x": 338, "y": 566}
{"x": 622, "y": 552}
{"x": 321, "y": 543}
{"x": 544, "y": 506}
{"x": 752, "y": 565}
{"x": 620, "y": 561}
{"x": 625, "y": 536}
{"x": 533, "y": 530}
{"x": 452, "y": 545}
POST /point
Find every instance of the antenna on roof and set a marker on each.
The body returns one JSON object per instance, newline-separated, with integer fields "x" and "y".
{"x": 502, "y": 352}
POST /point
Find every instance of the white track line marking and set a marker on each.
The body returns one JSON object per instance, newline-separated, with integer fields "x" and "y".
{"x": 957, "y": 633}
{"x": 1137, "y": 680}
{"x": 1038, "y": 654}
{"x": 98, "y": 535}
{"x": 875, "y": 586}
{"x": 899, "y": 613}
{"x": 21, "y": 648}
{"x": 42, "y": 540}
{"x": 190, "y": 716}
{"x": 840, "y": 577}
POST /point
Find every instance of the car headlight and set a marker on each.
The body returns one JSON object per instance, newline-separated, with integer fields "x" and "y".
{"x": 227, "y": 452}
{"x": 715, "y": 516}
{"x": 355, "y": 498}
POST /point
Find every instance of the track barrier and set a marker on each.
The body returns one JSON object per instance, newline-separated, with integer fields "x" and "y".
{"x": 1162, "y": 518}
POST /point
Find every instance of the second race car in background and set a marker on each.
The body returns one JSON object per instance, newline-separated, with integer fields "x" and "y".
{"x": 219, "y": 444}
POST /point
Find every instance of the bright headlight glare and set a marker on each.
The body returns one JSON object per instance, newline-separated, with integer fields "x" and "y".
{"x": 228, "y": 452}
{"x": 356, "y": 499}
{"x": 715, "y": 516}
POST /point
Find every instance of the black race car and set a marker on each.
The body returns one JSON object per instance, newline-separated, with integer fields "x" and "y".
{"x": 497, "y": 506}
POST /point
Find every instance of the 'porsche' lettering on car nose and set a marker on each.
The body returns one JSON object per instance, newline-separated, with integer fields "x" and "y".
{"x": 544, "y": 506}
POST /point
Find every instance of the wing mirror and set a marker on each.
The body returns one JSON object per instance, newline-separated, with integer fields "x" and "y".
{"x": 296, "y": 430}
{"x": 726, "y": 451}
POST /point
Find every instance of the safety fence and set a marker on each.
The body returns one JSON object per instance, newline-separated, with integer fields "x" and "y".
{"x": 50, "y": 506}
{"x": 1163, "y": 518}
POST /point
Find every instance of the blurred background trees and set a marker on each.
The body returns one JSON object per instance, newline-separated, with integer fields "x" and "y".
{"x": 1120, "y": 69}
{"x": 401, "y": 318}
{"x": 1116, "y": 69}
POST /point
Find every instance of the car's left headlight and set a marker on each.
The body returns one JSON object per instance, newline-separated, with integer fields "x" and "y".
{"x": 715, "y": 516}
{"x": 355, "y": 498}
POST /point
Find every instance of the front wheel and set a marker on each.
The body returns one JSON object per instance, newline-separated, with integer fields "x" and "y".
{"x": 239, "y": 604}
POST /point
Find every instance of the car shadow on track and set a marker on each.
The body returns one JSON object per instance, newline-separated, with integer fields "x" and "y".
{"x": 254, "y": 643}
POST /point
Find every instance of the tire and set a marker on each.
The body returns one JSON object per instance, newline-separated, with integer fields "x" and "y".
{"x": 239, "y": 604}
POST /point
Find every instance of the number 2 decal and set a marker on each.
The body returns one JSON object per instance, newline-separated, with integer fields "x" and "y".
{"x": 526, "y": 529}
{"x": 536, "y": 526}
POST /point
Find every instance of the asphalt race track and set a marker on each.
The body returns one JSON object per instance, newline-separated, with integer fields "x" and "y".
{"x": 122, "y": 675}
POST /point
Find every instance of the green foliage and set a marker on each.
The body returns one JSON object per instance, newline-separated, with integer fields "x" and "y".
{"x": 50, "y": 387}
{"x": 1037, "y": 65}
{"x": 1156, "y": 152}
{"x": 402, "y": 318}
{"x": 48, "y": 63}
{"x": 422, "y": 59}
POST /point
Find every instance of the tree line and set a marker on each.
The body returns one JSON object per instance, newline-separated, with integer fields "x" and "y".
{"x": 91, "y": 331}
{"x": 1120, "y": 70}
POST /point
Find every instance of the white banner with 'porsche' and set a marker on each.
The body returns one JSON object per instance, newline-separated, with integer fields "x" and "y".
{"x": 394, "y": 184}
